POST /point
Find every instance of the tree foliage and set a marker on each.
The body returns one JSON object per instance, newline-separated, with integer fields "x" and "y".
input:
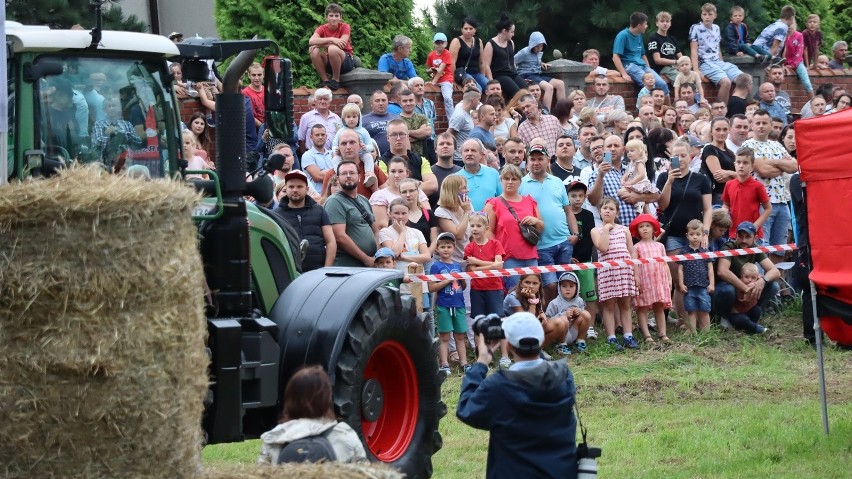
{"x": 292, "y": 23}
{"x": 66, "y": 13}
{"x": 573, "y": 26}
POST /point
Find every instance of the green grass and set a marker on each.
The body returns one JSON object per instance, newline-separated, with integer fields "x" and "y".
{"x": 716, "y": 405}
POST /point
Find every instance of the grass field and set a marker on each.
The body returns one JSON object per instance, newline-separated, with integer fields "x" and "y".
{"x": 717, "y": 405}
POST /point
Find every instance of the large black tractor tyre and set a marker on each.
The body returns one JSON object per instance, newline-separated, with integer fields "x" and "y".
{"x": 379, "y": 354}
{"x": 387, "y": 384}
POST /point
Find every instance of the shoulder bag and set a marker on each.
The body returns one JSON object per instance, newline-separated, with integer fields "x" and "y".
{"x": 460, "y": 73}
{"x": 530, "y": 234}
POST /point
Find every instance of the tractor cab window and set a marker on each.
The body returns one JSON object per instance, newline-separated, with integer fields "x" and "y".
{"x": 111, "y": 111}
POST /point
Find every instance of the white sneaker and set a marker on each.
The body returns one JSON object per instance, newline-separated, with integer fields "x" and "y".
{"x": 652, "y": 323}
{"x": 725, "y": 324}
{"x": 505, "y": 363}
{"x": 592, "y": 334}
{"x": 369, "y": 181}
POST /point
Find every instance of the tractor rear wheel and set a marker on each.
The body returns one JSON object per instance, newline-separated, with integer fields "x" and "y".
{"x": 387, "y": 385}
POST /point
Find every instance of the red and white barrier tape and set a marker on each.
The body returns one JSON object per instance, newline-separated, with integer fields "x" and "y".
{"x": 497, "y": 273}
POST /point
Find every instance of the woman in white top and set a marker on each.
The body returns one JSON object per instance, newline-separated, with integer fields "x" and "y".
{"x": 506, "y": 126}
{"x": 308, "y": 411}
{"x": 453, "y": 213}
{"x": 397, "y": 171}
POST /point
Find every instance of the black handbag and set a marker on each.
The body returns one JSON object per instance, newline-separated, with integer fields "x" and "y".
{"x": 530, "y": 234}
{"x": 460, "y": 73}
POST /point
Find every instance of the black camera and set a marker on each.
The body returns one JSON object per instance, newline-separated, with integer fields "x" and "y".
{"x": 490, "y": 327}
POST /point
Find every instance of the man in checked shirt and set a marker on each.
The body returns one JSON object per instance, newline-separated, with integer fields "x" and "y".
{"x": 114, "y": 136}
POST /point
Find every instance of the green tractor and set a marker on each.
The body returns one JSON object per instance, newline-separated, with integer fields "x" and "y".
{"x": 265, "y": 318}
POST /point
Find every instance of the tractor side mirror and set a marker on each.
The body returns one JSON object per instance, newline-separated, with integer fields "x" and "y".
{"x": 278, "y": 96}
{"x": 45, "y": 68}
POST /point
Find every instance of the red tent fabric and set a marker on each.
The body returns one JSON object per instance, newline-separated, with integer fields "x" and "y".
{"x": 824, "y": 148}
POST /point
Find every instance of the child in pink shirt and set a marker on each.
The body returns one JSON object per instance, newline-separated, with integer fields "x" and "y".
{"x": 794, "y": 51}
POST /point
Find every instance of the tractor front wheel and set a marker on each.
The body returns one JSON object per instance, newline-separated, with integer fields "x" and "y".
{"x": 387, "y": 385}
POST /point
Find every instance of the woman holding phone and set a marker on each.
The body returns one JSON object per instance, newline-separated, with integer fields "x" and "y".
{"x": 684, "y": 196}
{"x": 506, "y": 229}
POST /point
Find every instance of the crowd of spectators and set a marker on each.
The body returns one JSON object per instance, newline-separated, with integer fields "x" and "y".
{"x": 530, "y": 174}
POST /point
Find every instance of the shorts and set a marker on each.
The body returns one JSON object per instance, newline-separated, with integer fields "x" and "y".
{"x": 486, "y": 302}
{"x": 588, "y": 292}
{"x": 716, "y": 71}
{"x": 557, "y": 254}
{"x": 697, "y": 299}
{"x": 451, "y": 320}
{"x": 676, "y": 243}
{"x": 537, "y": 78}
{"x": 347, "y": 66}
{"x": 571, "y": 336}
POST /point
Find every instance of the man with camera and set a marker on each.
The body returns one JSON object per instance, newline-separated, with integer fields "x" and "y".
{"x": 527, "y": 408}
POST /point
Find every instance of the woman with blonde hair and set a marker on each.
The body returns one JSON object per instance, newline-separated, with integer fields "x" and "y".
{"x": 453, "y": 212}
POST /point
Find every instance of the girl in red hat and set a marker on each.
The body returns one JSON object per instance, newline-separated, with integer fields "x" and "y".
{"x": 654, "y": 278}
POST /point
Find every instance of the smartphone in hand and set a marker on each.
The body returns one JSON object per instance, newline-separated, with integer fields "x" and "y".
{"x": 607, "y": 157}
{"x": 462, "y": 197}
{"x": 675, "y": 162}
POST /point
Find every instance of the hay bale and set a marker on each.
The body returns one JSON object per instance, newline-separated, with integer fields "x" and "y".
{"x": 102, "y": 370}
{"x": 332, "y": 470}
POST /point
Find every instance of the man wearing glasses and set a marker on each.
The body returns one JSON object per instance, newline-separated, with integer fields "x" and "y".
{"x": 418, "y": 167}
{"x": 718, "y": 108}
{"x": 351, "y": 216}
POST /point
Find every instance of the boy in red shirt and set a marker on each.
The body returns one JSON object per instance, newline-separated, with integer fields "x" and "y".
{"x": 440, "y": 65}
{"x": 744, "y": 195}
{"x": 331, "y": 48}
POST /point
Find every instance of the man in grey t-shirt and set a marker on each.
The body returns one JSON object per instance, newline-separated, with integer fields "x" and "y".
{"x": 461, "y": 123}
{"x": 352, "y": 220}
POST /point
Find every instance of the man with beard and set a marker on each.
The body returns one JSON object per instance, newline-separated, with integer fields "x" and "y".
{"x": 445, "y": 148}
{"x": 310, "y": 220}
{"x": 515, "y": 153}
{"x": 351, "y": 218}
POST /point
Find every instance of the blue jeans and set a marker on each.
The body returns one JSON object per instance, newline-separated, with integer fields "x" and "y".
{"x": 557, "y": 254}
{"x": 725, "y": 295}
{"x": 635, "y": 71}
{"x": 748, "y": 321}
{"x": 752, "y": 50}
{"x": 481, "y": 80}
{"x": 777, "y": 225}
{"x": 802, "y": 73}
{"x": 509, "y": 282}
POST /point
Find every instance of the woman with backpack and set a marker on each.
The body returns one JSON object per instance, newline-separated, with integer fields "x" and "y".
{"x": 308, "y": 430}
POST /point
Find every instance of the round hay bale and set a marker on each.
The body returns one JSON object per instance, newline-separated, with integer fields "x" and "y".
{"x": 332, "y": 470}
{"x": 103, "y": 366}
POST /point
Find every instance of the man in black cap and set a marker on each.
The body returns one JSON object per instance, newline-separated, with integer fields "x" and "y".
{"x": 728, "y": 273}
{"x": 527, "y": 408}
{"x": 309, "y": 219}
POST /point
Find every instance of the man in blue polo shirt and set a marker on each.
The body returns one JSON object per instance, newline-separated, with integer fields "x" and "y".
{"x": 628, "y": 53}
{"x": 556, "y": 245}
{"x": 483, "y": 182}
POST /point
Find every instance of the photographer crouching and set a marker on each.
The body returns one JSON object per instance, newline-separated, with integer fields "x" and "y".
{"x": 528, "y": 408}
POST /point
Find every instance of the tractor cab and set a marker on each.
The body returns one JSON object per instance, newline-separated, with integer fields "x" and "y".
{"x": 72, "y": 102}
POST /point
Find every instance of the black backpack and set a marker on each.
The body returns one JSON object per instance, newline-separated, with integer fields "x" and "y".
{"x": 308, "y": 449}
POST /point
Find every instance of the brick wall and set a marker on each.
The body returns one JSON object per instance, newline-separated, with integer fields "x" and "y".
{"x": 791, "y": 85}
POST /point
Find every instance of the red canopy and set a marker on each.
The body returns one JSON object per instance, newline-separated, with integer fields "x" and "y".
{"x": 824, "y": 147}
{"x": 824, "y": 150}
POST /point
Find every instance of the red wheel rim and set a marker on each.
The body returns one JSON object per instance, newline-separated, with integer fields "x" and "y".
{"x": 389, "y": 435}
